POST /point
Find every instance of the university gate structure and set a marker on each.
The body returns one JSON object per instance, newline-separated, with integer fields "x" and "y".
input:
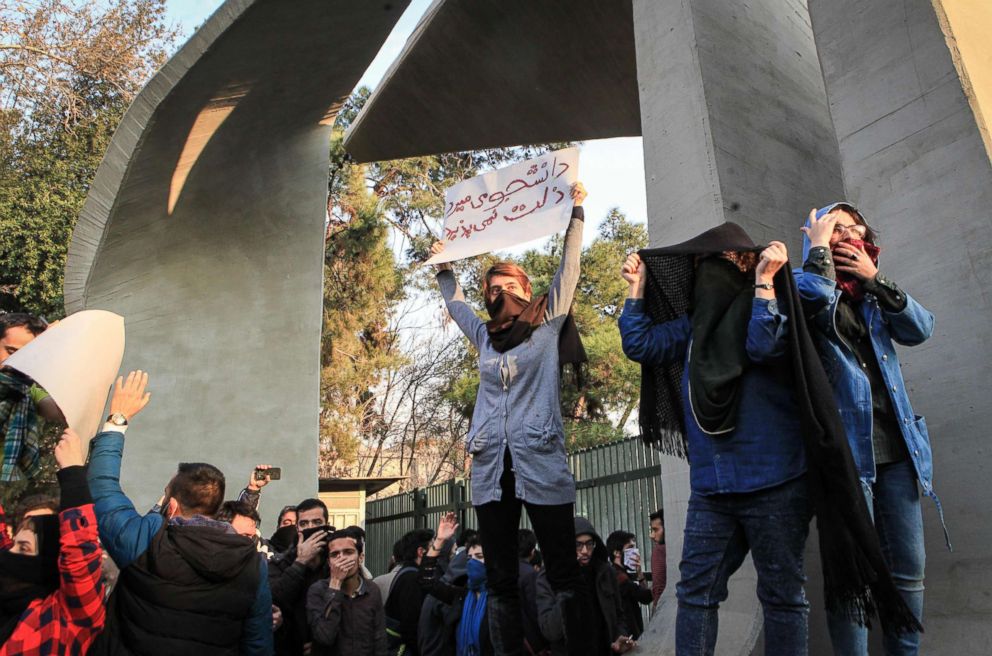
{"x": 204, "y": 225}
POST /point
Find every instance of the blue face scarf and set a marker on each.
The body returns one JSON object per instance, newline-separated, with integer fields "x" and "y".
{"x": 473, "y": 610}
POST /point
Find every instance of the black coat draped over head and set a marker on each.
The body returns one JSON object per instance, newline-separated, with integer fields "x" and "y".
{"x": 857, "y": 581}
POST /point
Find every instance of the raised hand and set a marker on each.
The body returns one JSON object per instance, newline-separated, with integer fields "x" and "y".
{"x": 819, "y": 231}
{"x": 69, "y": 450}
{"x": 129, "y": 397}
{"x": 255, "y": 485}
{"x": 446, "y": 527}
{"x": 773, "y": 258}
{"x": 633, "y": 270}
{"x": 311, "y": 549}
{"x": 578, "y": 193}
{"x": 436, "y": 249}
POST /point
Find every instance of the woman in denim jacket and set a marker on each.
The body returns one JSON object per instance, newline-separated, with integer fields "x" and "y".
{"x": 856, "y": 313}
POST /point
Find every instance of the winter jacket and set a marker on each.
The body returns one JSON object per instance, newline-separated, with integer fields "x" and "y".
{"x": 613, "y": 623}
{"x": 290, "y": 581}
{"x": 632, "y": 596}
{"x": 449, "y": 589}
{"x": 346, "y": 626}
{"x": 189, "y": 586}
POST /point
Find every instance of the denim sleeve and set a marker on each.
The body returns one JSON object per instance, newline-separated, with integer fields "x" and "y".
{"x": 256, "y": 638}
{"x": 766, "y": 331}
{"x": 652, "y": 343}
{"x": 124, "y": 533}
{"x": 817, "y": 280}
{"x": 912, "y": 325}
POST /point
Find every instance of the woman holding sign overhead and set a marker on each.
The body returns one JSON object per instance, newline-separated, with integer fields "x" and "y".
{"x": 517, "y": 439}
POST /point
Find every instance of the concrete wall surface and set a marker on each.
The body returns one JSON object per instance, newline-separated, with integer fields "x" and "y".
{"x": 204, "y": 229}
{"x": 914, "y": 160}
{"x": 489, "y": 73}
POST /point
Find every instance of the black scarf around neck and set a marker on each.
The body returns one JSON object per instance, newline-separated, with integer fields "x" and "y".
{"x": 857, "y": 582}
{"x": 514, "y": 319}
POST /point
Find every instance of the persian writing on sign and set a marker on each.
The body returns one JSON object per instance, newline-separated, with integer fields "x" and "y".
{"x": 510, "y": 206}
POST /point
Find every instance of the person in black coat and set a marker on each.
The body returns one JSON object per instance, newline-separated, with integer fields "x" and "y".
{"x": 634, "y": 588}
{"x": 606, "y": 628}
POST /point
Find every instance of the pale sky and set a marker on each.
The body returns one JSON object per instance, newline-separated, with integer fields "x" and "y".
{"x": 611, "y": 169}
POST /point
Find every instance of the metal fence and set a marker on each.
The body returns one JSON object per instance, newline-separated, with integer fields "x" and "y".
{"x": 617, "y": 487}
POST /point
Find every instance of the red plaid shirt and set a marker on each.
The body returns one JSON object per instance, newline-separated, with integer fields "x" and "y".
{"x": 6, "y": 539}
{"x": 66, "y": 621}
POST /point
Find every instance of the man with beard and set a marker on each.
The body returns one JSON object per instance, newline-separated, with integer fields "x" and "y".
{"x": 606, "y": 632}
{"x": 292, "y": 572}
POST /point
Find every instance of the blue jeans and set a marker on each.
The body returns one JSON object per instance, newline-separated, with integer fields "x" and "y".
{"x": 894, "y": 501}
{"x": 720, "y": 530}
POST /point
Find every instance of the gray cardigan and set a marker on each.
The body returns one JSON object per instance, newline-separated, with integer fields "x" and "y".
{"x": 518, "y": 403}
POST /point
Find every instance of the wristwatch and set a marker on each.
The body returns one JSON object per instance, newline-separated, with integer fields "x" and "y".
{"x": 117, "y": 419}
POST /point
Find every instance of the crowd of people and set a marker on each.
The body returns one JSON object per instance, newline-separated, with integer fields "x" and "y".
{"x": 781, "y": 388}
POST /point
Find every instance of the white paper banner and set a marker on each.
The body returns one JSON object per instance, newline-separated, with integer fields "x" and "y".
{"x": 76, "y": 362}
{"x": 510, "y": 206}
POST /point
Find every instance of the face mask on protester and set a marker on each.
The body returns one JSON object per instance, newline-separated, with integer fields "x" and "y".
{"x": 476, "y": 570}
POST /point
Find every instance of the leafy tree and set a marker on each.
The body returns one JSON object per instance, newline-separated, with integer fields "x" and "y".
{"x": 68, "y": 70}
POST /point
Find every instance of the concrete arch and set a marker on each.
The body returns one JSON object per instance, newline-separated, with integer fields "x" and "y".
{"x": 204, "y": 227}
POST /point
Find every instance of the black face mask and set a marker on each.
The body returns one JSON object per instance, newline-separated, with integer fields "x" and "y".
{"x": 26, "y": 578}
{"x": 284, "y": 538}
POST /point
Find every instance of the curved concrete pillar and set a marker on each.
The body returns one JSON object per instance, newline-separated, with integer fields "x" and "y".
{"x": 204, "y": 229}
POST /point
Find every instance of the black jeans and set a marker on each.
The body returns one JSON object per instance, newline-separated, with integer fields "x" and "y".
{"x": 554, "y": 527}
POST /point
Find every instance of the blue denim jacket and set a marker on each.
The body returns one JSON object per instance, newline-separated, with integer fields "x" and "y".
{"x": 126, "y": 535}
{"x": 852, "y": 391}
{"x": 766, "y": 448}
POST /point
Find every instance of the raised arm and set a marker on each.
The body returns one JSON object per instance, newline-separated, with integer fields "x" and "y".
{"x": 459, "y": 309}
{"x": 642, "y": 339}
{"x": 429, "y": 575}
{"x": 767, "y": 329}
{"x": 124, "y": 533}
{"x": 562, "y": 289}
{"x": 80, "y": 593}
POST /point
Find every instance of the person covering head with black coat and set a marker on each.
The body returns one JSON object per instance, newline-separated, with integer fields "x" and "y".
{"x": 731, "y": 380}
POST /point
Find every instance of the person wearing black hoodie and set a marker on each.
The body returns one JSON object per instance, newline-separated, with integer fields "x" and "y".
{"x": 608, "y": 635}
{"x": 188, "y": 584}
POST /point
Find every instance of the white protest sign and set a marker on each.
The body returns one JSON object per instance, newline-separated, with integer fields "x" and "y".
{"x": 510, "y": 206}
